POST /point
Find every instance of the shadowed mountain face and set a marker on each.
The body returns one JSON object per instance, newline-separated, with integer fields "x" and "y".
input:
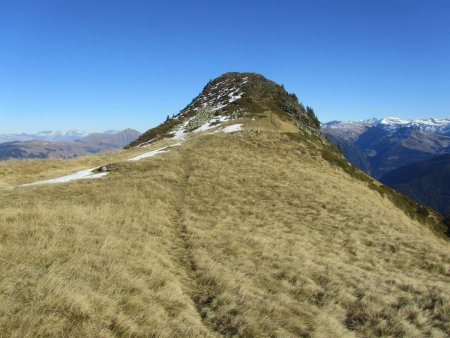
{"x": 427, "y": 182}
{"x": 352, "y": 153}
{"x": 379, "y": 146}
{"x": 91, "y": 144}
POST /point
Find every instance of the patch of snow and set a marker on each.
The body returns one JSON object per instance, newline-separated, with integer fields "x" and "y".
{"x": 218, "y": 84}
{"x": 144, "y": 143}
{"x": 223, "y": 118}
{"x": 153, "y": 152}
{"x": 148, "y": 154}
{"x": 230, "y": 129}
{"x": 206, "y": 126}
{"x": 393, "y": 120}
{"x": 228, "y": 93}
{"x": 79, "y": 175}
{"x": 234, "y": 97}
{"x": 212, "y": 123}
{"x": 179, "y": 133}
{"x": 220, "y": 106}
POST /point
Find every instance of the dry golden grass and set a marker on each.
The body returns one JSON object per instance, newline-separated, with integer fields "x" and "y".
{"x": 229, "y": 234}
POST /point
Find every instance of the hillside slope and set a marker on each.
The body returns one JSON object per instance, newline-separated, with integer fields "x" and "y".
{"x": 261, "y": 230}
{"x": 427, "y": 182}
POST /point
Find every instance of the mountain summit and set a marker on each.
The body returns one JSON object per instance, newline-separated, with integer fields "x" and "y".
{"x": 234, "y": 96}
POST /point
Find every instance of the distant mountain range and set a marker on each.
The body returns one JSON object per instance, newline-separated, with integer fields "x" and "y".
{"x": 56, "y": 144}
{"x": 49, "y": 135}
{"x": 378, "y": 146}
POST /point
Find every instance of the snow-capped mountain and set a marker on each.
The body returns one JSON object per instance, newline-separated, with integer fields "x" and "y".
{"x": 380, "y": 145}
{"x": 350, "y": 129}
{"x": 431, "y": 125}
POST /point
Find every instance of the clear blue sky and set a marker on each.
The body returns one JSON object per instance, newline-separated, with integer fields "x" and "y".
{"x": 97, "y": 65}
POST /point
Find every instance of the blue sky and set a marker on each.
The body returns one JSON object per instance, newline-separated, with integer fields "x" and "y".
{"x": 98, "y": 65}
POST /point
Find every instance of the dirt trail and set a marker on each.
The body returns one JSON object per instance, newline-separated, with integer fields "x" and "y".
{"x": 200, "y": 288}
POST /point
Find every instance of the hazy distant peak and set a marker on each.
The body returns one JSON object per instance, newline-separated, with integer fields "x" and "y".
{"x": 55, "y": 135}
{"x": 111, "y": 131}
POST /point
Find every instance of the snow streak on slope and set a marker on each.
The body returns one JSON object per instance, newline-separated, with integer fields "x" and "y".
{"x": 220, "y": 95}
{"x": 230, "y": 129}
{"x": 213, "y": 123}
{"x": 181, "y": 132}
{"x": 149, "y": 154}
{"x": 153, "y": 153}
{"x": 79, "y": 175}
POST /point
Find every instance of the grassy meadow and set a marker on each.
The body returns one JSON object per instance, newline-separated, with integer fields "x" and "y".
{"x": 248, "y": 234}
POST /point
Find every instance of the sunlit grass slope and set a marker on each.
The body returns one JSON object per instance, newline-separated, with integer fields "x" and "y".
{"x": 249, "y": 234}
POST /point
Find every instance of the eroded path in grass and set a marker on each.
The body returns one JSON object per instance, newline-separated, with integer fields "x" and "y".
{"x": 200, "y": 287}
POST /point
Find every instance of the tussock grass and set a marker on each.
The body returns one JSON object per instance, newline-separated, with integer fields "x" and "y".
{"x": 423, "y": 214}
{"x": 247, "y": 234}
